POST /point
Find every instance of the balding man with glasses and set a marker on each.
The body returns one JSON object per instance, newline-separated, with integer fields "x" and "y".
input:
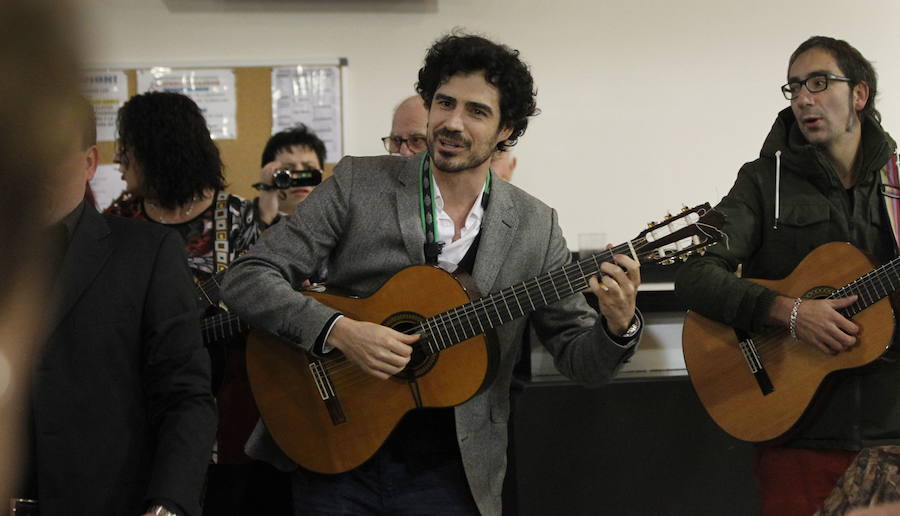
{"x": 408, "y": 127}
{"x": 826, "y": 173}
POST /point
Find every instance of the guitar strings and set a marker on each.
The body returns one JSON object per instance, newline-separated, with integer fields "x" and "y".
{"x": 865, "y": 284}
{"x": 207, "y": 287}
{"x": 447, "y": 321}
{"x": 452, "y": 323}
{"x": 576, "y": 284}
{"x": 711, "y": 232}
{"x": 454, "y": 319}
{"x": 216, "y": 325}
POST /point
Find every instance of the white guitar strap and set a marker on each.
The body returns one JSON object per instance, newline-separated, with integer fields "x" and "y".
{"x": 222, "y": 254}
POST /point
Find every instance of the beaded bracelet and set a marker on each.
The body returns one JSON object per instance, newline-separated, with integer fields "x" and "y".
{"x": 794, "y": 311}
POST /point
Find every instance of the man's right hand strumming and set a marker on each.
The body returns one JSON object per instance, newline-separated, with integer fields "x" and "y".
{"x": 378, "y": 350}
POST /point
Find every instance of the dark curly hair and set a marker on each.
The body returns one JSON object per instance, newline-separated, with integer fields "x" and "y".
{"x": 297, "y": 135}
{"x": 167, "y": 136}
{"x": 852, "y": 64}
{"x": 463, "y": 53}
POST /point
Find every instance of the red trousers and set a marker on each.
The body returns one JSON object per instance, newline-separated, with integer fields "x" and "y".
{"x": 795, "y": 481}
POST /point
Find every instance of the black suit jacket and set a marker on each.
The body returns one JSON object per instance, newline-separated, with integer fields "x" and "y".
{"x": 123, "y": 413}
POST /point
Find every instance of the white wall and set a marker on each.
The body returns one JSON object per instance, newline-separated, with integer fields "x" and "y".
{"x": 647, "y": 104}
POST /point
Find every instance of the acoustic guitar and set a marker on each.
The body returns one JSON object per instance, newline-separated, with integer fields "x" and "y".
{"x": 758, "y": 387}
{"x": 329, "y": 416}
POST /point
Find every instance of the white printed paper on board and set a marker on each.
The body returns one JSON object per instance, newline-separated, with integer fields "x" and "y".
{"x": 212, "y": 90}
{"x": 310, "y": 95}
{"x": 106, "y": 91}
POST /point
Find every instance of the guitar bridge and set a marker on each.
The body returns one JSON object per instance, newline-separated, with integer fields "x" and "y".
{"x": 751, "y": 356}
{"x": 326, "y": 391}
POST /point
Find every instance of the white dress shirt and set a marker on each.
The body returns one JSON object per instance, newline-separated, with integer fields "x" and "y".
{"x": 454, "y": 251}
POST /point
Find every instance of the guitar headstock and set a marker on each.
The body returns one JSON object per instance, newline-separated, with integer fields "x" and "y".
{"x": 678, "y": 236}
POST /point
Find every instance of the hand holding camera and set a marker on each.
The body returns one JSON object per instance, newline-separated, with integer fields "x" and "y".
{"x": 268, "y": 198}
{"x": 275, "y": 188}
{"x": 283, "y": 178}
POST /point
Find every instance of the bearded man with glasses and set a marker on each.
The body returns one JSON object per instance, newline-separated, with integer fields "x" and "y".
{"x": 818, "y": 179}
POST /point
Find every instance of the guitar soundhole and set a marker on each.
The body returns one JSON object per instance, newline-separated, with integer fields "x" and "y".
{"x": 420, "y": 362}
{"x": 819, "y": 292}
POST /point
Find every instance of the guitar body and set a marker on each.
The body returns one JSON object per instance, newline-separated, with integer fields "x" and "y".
{"x": 723, "y": 380}
{"x": 343, "y": 432}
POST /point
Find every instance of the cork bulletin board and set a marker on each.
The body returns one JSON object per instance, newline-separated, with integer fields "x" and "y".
{"x": 241, "y": 156}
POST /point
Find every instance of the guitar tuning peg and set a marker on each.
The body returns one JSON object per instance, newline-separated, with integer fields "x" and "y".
{"x": 668, "y": 215}
{"x": 684, "y": 209}
{"x": 667, "y": 261}
{"x": 685, "y": 256}
{"x": 651, "y": 224}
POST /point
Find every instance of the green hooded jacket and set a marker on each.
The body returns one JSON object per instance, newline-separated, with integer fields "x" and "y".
{"x": 863, "y": 407}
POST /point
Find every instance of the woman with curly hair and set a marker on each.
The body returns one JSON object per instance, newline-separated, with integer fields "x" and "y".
{"x": 173, "y": 175}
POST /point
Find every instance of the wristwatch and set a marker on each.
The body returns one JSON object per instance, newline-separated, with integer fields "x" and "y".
{"x": 159, "y": 510}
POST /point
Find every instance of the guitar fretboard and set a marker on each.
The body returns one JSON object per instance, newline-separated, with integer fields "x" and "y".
{"x": 208, "y": 290}
{"x": 221, "y": 326}
{"x": 477, "y": 317}
{"x": 871, "y": 287}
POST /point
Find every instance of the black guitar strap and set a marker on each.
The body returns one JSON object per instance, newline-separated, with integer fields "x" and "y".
{"x": 467, "y": 264}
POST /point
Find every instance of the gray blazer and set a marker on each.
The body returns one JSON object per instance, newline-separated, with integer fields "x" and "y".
{"x": 365, "y": 221}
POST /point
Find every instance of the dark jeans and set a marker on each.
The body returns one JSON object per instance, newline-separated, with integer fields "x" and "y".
{"x": 247, "y": 490}
{"x": 408, "y": 476}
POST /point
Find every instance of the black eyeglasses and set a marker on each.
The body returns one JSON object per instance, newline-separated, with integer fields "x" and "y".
{"x": 813, "y": 83}
{"x": 414, "y": 143}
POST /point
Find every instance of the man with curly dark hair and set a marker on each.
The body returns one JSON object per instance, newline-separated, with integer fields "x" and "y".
{"x": 378, "y": 215}
{"x": 500, "y": 67}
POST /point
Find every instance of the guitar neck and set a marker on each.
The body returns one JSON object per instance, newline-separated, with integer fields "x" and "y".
{"x": 870, "y": 287}
{"x": 208, "y": 290}
{"x": 221, "y": 326}
{"x": 469, "y": 320}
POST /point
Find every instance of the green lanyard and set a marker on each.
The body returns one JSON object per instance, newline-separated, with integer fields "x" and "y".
{"x": 427, "y": 203}
{"x": 428, "y": 208}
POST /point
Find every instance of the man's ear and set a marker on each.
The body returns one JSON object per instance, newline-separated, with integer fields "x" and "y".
{"x": 860, "y": 96}
{"x": 91, "y": 161}
{"x": 503, "y": 134}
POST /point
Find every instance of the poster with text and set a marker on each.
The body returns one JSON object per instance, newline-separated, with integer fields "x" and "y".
{"x": 212, "y": 90}
{"x": 106, "y": 91}
{"x": 310, "y": 95}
